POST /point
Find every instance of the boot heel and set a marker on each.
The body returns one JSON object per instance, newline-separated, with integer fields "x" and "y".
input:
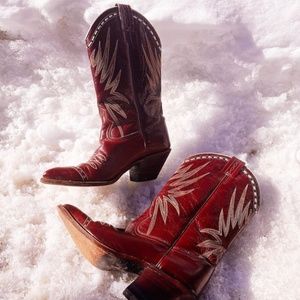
{"x": 149, "y": 167}
{"x": 153, "y": 284}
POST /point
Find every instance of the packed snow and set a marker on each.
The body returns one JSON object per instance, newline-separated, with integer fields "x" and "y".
{"x": 231, "y": 74}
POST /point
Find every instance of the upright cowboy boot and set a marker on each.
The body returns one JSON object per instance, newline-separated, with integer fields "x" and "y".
{"x": 203, "y": 189}
{"x": 124, "y": 52}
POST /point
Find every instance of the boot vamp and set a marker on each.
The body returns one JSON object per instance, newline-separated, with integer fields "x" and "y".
{"x": 116, "y": 241}
{"x": 113, "y": 158}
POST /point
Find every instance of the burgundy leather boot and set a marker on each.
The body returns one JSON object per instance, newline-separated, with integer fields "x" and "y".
{"x": 184, "y": 270}
{"x": 124, "y": 52}
{"x": 181, "y": 236}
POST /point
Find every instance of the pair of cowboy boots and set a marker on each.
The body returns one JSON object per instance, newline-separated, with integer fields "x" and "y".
{"x": 177, "y": 242}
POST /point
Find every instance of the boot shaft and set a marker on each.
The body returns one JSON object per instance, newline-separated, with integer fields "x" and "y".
{"x": 111, "y": 70}
{"x": 125, "y": 52}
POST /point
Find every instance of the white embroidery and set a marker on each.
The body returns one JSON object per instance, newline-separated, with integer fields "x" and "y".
{"x": 82, "y": 174}
{"x": 105, "y": 66}
{"x": 152, "y": 33}
{"x": 244, "y": 170}
{"x": 181, "y": 179}
{"x": 98, "y": 29}
{"x": 152, "y": 58}
{"x": 96, "y": 160}
{"x": 234, "y": 218}
{"x": 86, "y": 222}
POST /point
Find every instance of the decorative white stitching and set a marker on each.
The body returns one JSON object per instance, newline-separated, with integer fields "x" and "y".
{"x": 99, "y": 27}
{"x": 113, "y": 15}
{"x": 237, "y": 216}
{"x": 82, "y": 174}
{"x": 215, "y": 156}
{"x": 254, "y": 188}
{"x": 149, "y": 29}
{"x": 245, "y": 171}
{"x": 86, "y": 222}
{"x": 96, "y": 161}
{"x": 181, "y": 185}
{"x": 104, "y": 63}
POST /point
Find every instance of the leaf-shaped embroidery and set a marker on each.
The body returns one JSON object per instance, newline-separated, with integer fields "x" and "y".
{"x": 105, "y": 67}
{"x": 116, "y": 108}
{"x": 161, "y": 204}
{"x": 152, "y": 104}
{"x": 152, "y": 58}
{"x": 181, "y": 179}
{"x": 174, "y": 203}
{"x": 235, "y": 218}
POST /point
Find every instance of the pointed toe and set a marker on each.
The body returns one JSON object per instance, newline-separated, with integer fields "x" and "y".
{"x": 61, "y": 175}
{"x": 53, "y": 173}
{"x": 72, "y": 213}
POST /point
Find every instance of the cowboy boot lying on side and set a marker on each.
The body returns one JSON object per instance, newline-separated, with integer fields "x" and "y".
{"x": 124, "y": 52}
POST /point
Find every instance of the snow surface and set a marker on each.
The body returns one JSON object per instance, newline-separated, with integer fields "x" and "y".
{"x": 230, "y": 85}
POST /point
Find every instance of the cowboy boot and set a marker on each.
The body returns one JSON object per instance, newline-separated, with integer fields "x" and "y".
{"x": 184, "y": 270}
{"x": 124, "y": 52}
{"x": 148, "y": 238}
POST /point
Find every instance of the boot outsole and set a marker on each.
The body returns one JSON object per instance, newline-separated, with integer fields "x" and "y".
{"x": 96, "y": 253}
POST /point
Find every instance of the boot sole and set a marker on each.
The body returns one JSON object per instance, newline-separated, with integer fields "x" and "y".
{"x": 97, "y": 254}
{"x": 144, "y": 169}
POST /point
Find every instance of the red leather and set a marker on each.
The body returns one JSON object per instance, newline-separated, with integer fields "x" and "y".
{"x": 190, "y": 223}
{"x": 117, "y": 241}
{"x": 211, "y": 230}
{"x": 124, "y": 52}
{"x": 190, "y": 186}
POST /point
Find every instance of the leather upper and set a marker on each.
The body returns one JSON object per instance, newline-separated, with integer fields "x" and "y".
{"x": 198, "y": 213}
{"x": 124, "y": 53}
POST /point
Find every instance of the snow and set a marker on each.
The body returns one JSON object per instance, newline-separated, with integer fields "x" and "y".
{"x": 230, "y": 85}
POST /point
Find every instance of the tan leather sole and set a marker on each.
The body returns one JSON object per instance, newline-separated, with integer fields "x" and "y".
{"x": 92, "y": 252}
{"x": 92, "y": 249}
{"x": 78, "y": 183}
